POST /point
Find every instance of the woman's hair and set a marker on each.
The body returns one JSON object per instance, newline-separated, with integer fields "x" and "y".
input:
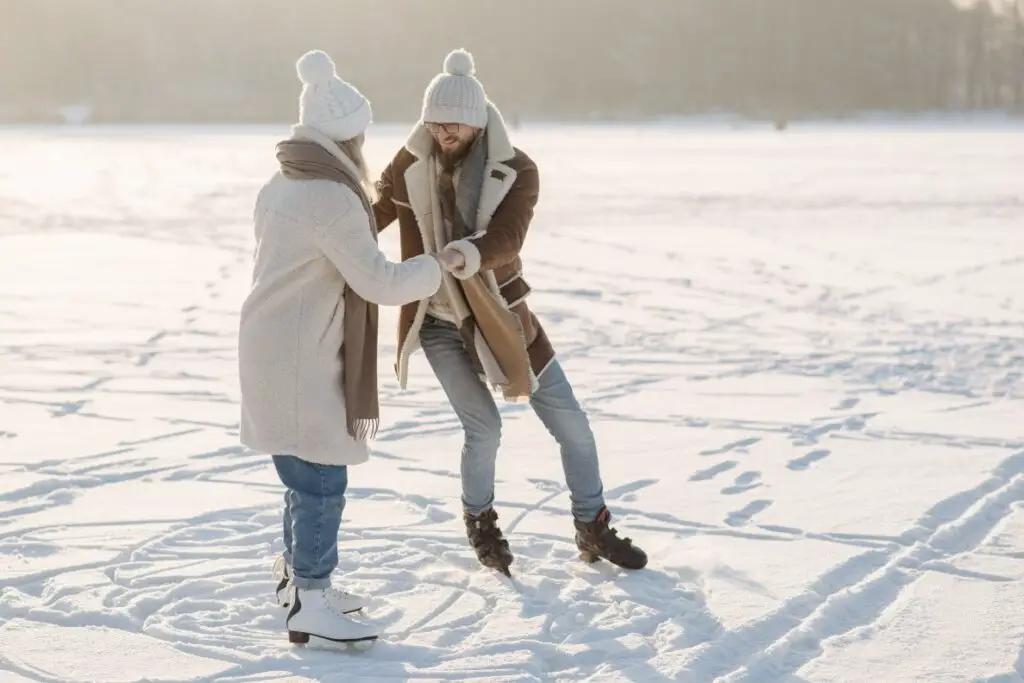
{"x": 353, "y": 149}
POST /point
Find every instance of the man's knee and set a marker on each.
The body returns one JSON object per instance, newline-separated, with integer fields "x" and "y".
{"x": 483, "y": 432}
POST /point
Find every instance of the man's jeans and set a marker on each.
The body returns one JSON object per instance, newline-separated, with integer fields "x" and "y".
{"x": 313, "y": 503}
{"x": 553, "y": 402}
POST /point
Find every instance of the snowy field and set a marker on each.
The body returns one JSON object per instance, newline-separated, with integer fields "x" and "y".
{"x": 803, "y": 354}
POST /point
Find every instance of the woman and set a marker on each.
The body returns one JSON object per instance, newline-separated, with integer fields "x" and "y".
{"x": 308, "y": 338}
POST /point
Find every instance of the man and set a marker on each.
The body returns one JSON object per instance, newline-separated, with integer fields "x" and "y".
{"x": 459, "y": 189}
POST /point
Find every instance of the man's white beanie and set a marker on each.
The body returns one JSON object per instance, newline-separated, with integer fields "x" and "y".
{"x": 455, "y": 96}
{"x": 327, "y": 103}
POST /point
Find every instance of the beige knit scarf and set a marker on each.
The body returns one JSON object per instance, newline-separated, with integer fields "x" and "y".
{"x": 302, "y": 160}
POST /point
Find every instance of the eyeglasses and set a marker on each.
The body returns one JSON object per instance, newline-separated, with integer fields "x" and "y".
{"x": 447, "y": 128}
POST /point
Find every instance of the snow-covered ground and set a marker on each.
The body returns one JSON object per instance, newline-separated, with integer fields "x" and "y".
{"x": 802, "y": 353}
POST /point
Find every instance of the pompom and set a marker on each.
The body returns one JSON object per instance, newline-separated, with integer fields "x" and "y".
{"x": 459, "y": 63}
{"x": 315, "y": 67}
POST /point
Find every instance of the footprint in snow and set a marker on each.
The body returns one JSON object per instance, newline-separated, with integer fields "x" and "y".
{"x": 805, "y": 461}
{"x": 713, "y": 471}
{"x": 740, "y": 445}
{"x": 743, "y": 516}
{"x": 744, "y": 482}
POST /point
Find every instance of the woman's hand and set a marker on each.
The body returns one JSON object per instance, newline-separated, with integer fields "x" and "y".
{"x": 451, "y": 260}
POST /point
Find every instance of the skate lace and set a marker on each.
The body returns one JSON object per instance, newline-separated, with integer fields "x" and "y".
{"x": 340, "y": 594}
{"x": 333, "y": 597}
{"x": 604, "y": 529}
{"x": 615, "y": 536}
{"x": 280, "y": 569}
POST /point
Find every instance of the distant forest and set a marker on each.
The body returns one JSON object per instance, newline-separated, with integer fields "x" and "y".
{"x": 233, "y": 60}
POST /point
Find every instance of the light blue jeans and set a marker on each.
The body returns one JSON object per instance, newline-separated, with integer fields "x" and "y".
{"x": 473, "y": 403}
{"x": 313, "y": 502}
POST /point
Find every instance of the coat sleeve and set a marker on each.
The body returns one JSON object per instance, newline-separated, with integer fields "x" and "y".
{"x": 348, "y": 244}
{"x": 384, "y": 208}
{"x": 502, "y": 241}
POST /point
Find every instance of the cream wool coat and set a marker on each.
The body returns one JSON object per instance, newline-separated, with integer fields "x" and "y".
{"x": 312, "y": 238}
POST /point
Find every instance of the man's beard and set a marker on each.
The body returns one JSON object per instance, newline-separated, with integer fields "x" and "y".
{"x": 450, "y": 158}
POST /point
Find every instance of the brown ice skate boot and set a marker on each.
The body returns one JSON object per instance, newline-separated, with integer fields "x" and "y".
{"x": 598, "y": 540}
{"x": 485, "y": 536}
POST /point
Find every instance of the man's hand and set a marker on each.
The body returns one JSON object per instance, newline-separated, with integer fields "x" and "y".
{"x": 451, "y": 260}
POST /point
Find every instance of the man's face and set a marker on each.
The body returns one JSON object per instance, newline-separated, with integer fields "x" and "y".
{"x": 453, "y": 139}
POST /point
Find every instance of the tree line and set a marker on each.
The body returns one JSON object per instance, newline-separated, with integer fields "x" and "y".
{"x": 233, "y": 60}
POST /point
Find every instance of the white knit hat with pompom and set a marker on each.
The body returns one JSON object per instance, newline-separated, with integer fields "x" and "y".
{"x": 456, "y": 96}
{"x": 327, "y": 103}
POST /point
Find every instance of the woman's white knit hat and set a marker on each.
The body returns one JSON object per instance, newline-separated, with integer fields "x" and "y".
{"x": 327, "y": 103}
{"x": 456, "y": 96}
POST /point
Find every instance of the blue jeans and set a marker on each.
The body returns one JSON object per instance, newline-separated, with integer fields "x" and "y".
{"x": 473, "y": 403}
{"x": 313, "y": 503}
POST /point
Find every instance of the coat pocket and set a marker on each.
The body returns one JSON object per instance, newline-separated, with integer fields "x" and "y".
{"x": 514, "y": 290}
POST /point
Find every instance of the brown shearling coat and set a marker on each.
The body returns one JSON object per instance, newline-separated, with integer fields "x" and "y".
{"x": 507, "y": 199}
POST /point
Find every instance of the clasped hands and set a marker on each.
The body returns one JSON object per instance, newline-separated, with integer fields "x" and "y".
{"x": 451, "y": 260}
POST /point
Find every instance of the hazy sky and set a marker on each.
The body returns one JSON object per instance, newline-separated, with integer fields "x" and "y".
{"x": 233, "y": 60}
